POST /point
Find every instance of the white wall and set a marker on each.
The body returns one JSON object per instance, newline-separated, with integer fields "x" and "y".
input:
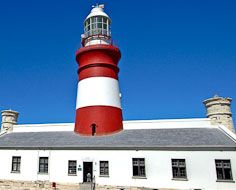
{"x": 29, "y": 164}
{"x": 201, "y": 172}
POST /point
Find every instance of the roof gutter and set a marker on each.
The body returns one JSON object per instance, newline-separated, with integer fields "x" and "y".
{"x": 167, "y": 148}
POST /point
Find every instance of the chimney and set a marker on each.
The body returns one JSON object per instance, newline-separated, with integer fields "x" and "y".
{"x": 219, "y": 111}
{"x": 9, "y": 118}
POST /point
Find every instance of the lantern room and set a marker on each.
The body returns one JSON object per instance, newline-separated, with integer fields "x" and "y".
{"x": 97, "y": 27}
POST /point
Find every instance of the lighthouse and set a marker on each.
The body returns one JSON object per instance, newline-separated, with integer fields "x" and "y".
{"x": 98, "y": 105}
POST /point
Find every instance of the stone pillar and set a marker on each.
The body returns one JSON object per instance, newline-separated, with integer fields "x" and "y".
{"x": 219, "y": 111}
{"x": 9, "y": 118}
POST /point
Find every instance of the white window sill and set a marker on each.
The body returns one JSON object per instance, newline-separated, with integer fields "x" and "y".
{"x": 72, "y": 174}
{"x": 225, "y": 180}
{"x": 180, "y": 179}
{"x": 15, "y": 172}
{"x": 42, "y": 173}
{"x": 103, "y": 175}
{"x": 139, "y": 177}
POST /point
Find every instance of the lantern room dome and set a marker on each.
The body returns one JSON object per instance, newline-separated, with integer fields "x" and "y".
{"x": 97, "y": 11}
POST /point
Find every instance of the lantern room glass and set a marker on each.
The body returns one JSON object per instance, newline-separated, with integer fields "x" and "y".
{"x": 97, "y": 25}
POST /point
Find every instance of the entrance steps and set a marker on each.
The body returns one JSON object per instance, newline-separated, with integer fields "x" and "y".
{"x": 86, "y": 186}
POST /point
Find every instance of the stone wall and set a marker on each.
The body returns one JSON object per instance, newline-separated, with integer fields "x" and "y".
{"x": 46, "y": 185}
{"x": 34, "y": 185}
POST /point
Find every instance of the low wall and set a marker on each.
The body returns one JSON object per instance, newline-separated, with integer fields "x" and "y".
{"x": 34, "y": 185}
{"x": 46, "y": 185}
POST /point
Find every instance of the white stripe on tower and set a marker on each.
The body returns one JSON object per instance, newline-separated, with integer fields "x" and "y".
{"x": 103, "y": 91}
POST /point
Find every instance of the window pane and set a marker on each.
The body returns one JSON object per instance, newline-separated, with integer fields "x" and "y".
{"x": 228, "y": 174}
{"x": 93, "y": 26}
{"x": 105, "y": 26}
{"x": 99, "y": 19}
{"x": 104, "y": 20}
{"x": 99, "y": 25}
{"x": 14, "y": 167}
{"x": 96, "y": 31}
{"x": 182, "y": 172}
{"x": 41, "y": 168}
{"x": 219, "y": 165}
{"x": 175, "y": 172}
{"x": 135, "y": 171}
{"x": 142, "y": 171}
{"x": 135, "y": 163}
{"x": 219, "y": 173}
{"x": 141, "y": 163}
{"x": 93, "y": 19}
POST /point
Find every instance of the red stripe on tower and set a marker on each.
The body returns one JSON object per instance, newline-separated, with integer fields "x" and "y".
{"x": 98, "y": 107}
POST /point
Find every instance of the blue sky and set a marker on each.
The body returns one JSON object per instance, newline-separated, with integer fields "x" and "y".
{"x": 175, "y": 54}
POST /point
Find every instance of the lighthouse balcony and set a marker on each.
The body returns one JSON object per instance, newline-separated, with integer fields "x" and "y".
{"x": 96, "y": 39}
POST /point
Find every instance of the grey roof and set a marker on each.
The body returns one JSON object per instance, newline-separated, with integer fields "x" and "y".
{"x": 138, "y": 139}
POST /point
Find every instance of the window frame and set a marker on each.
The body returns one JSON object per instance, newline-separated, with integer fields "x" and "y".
{"x": 105, "y": 168}
{"x": 73, "y": 169}
{"x": 16, "y": 163}
{"x": 223, "y": 168}
{"x": 178, "y": 167}
{"x": 139, "y": 166}
{"x": 44, "y": 164}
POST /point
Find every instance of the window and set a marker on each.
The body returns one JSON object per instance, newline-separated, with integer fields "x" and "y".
{"x": 97, "y": 25}
{"x": 43, "y": 164}
{"x": 72, "y": 167}
{"x": 139, "y": 167}
{"x": 104, "y": 168}
{"x": 16, "y": 164}
{"x": 179, "y": 168}
{"x": 223, "y": 170}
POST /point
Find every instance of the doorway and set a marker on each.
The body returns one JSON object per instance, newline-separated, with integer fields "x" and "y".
{"x": 87, "y": 169}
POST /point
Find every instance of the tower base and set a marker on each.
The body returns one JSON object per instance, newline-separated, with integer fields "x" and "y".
{"x": 98, "y": 120}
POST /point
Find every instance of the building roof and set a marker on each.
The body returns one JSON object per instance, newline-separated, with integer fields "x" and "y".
{"x": 133, "y": 139}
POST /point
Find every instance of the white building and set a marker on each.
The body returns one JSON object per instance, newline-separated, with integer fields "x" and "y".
{"x": 177, "y": 154}
{"x": 147, "y": 154}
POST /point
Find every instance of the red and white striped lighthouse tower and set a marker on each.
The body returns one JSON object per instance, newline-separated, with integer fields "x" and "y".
{"x": 98, "y": 106}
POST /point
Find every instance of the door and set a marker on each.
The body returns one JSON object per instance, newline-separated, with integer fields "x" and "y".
{"x": 87, "y": 171}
